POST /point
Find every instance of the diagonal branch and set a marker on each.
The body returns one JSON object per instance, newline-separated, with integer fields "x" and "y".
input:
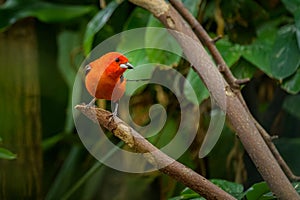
{"x": 237, "y": 112}
{"x": 153, "y": 155}
{"x": 276, "y": 153}
{"x": 232, "y": 81}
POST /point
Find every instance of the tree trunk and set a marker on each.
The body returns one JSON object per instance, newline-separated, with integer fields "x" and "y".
{"x": 20, "y": 112}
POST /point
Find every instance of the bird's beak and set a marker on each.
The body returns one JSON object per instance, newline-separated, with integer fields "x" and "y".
{"x": 126, "y": 66}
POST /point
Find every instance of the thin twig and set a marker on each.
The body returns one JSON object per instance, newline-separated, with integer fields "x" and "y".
{"x": 276, "y": 154}
{"x": 216, "y": 39}
{"x": 153, "y": 155}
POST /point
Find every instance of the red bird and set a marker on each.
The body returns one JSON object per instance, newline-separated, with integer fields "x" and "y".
{"x": 104, "y": 77}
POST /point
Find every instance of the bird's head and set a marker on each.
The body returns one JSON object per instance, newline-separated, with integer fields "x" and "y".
{"x": 113, "y": 64}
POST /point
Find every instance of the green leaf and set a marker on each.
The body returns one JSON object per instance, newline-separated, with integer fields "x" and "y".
{"x": 161, "y": 47}
{"x": 14, "y": 2}
{"x": 292, "y": 5}
{"x": 67, "y": 42}
{"x": 48, "y": 12}
{"x": 192, "y": 5}
{"x": 6, "y": 154}
{"x": 186, "y": 194}
{"x": 235, "y": 189}
{"x": 96, "y": 23}
{"x": 258, "y": 54}
{"x": 285, "y": 56}
{"x": 292, "y": 84}
{"x": 259, "y": 191}
{"x": 230, "y": 52}
{"x": 188, "y": 191}
{"x": 297, "y": 186}
{"x": 243, "y": 69}
{"x": 165, "y": 135}
{"x": 138, "y": 18}
{"x": 197, "y": 87}
{"x": 137, "y": 58}
{"x": 297, "y": 24}
{"x": 50, "y": 142}
{"x": 266, "y": 33}
{"x": 291, "y": 105}
{"x": 232, "y": 188}
{"x": 44, "y": 11}
{"x": 68, "y": 63}
{"x": 132, "y": 44}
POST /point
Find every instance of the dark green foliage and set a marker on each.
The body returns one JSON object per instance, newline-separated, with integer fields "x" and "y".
{"x": 261, "y": 41}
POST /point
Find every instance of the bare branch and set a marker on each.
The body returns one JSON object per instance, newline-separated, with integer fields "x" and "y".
{"x": 216, "y": 39}
{"x": 236, "y": 109}
{"x": 276, "y": 154}
{"x": 233, "y": 82}
{"x": 153, "y": 155}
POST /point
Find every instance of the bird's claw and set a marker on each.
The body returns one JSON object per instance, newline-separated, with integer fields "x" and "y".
{"x": 110, "y": 118}
{"x": 91, "y": 104}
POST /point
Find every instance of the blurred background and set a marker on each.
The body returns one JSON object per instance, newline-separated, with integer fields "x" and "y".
{"x": 42, "y": 46}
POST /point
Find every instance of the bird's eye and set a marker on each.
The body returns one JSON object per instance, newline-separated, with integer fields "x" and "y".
{"x": 117, "y": 60}
{"x": 87, "y": 69}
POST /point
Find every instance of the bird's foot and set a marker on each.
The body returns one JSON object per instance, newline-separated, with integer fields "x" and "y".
{"x": 91, "y": 104}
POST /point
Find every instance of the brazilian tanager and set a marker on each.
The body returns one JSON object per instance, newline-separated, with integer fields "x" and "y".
{"x": 104, "y": 77}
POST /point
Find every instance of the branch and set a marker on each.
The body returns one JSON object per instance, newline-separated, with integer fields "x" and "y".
{"x": 232, "y": 81}
{"x": 208, "y": 42}
{"x": 276, "y": 154}
{"x": 236, "y": 109}
{"x": 153, "y": 155}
